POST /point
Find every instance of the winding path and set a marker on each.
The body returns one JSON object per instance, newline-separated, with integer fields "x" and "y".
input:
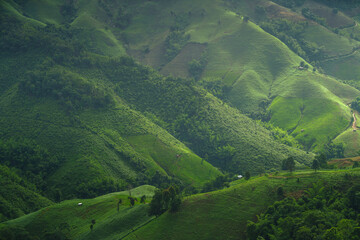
{"x": 354, "y": 122}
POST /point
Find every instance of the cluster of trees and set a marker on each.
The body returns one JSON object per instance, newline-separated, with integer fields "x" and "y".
{"x": 320, "y": 161}
{"x": 329, "y": 213}
{"x": 16, "y": 233}
{"x": 177, "y": 38}
{"x": 218, "y": 183}
{"x": 356, "y": 104}
{"x": 96, "y": 187}
{"x": 290, "y": 3}
{"x": 291, "y": 33}
{"x": 68, "y": 11}
{"x": 333, "y": 150}
{"x": 33, "y": 162}
{"x": 196, "y": 67}
{"x": 70, "y": 89}
{"x": 160, "y": 180}
{"x": 348, "y": 4}
{"x": 288, "y": 164}
{"x": 281, "y": 135}
{"x": 118, "y": 15}
{"x": 306, "y": 12}
{"x": 11, "y": 187}
{"x": 165, "y": 199}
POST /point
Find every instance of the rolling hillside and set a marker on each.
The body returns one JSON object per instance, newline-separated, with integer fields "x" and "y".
{"x": 111, "y": 121}
{"x": 229, "y": 209}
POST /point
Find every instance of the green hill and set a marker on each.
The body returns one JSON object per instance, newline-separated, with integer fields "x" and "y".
{"x": 228, "y": 209}
{"x": 100, "y": 96}
{"x": 113, "y": 121}
{"x": 69, "y": 220}
{"x": 252, "y": 66}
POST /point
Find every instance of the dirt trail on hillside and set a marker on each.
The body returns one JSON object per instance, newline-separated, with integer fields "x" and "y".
{"x": 354, "y": 123}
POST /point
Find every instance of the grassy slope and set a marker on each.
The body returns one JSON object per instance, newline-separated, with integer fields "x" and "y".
{"x": 240, "y": 54}
{"x": 254, "y": 64}
{"x": 102, "y": 128}
{"x": 318, "y": 107}
{"x": 110, "y": 224}
{"x": 344, "y": 68}
{"x": 229, "y": 209}
{"x": 96, "y": 145}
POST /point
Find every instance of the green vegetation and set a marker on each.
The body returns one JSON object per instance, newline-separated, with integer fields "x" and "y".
{"x": 166, "y": 199}
{"x": 18, "y": 196}
{"x": 324, "y": 212}
{"x": 101, "y": 96}
{"x": 71, "y": 221}
{"x": 231, "y": 208}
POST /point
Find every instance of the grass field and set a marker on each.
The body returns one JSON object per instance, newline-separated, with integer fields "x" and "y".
{"x": 344, "y": 68}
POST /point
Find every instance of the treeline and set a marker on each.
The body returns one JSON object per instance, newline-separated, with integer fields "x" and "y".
{"x": 31, "y": 161}
{"x": 177, "y": 38}
{"x": 17, "y": 196}
{"x": 290, "y": 3}
{"x": 291, "y": 33}
{"x": 356, "y": 104}
{"x": 348, "y": 4}
{"x": 118, "y": 15}
{"x": 306, "y": 12}
{"x": 73, "y": 91}
{"x": 325, "y": 211}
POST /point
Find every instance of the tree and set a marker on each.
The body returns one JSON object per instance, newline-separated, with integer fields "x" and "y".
{"x": 246, "y": 19}
{"x": 143, "y": 199}
{"x": 315, "y": 165}
{"x": 175, "y": 204}
{"x": 165, "y": 199}
{"x": 288, "y": 164}
{"x": 157, "y": 204}
{"x": 118, "y": 204}
{"x": 247, "y": 175}
{"x": 321, "y": 158}
{"x": 132, "y": 201}
{"x": 355, "y": 165}
{"x": 280, "y": 192}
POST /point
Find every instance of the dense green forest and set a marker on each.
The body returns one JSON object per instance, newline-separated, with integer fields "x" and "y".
{"x": 326, "y": 211}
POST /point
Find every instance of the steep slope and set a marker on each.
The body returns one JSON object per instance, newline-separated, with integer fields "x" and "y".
{"x": 79, "y": 117}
